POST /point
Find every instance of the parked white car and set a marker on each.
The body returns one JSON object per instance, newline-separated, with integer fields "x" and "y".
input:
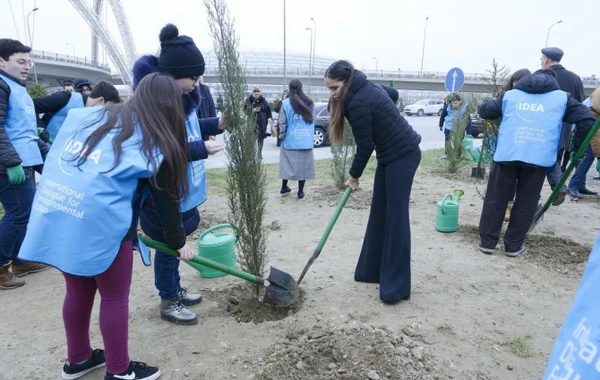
{"x": 425, "y": 107}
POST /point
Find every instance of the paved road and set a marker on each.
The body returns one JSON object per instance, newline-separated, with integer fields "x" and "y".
{"x": 426, "y": 126}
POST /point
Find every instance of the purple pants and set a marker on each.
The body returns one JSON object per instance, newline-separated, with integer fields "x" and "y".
{"x": 113, "y": 285}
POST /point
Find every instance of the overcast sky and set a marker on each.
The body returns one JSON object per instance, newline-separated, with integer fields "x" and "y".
{"x": 462, "y": 33}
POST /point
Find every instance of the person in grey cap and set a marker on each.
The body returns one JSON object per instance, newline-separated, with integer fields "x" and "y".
{"x": 571, "y": 83}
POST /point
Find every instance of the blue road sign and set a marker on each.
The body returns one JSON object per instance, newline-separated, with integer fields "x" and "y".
{"x": 454, "y": 80}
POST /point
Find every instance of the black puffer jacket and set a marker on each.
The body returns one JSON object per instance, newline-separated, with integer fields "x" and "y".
{"x": 539, "y": 83}
{"x": 376, "y": 124}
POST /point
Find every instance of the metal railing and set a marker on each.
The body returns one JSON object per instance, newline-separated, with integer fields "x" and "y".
{"x": 425, "y": 75}
{"x": 37, "y": 54}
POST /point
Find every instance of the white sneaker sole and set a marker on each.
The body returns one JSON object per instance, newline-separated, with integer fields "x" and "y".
{"x": 66, "y": 376}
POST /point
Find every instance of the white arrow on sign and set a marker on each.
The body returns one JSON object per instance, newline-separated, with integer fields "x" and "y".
{"x": 454, "y": 75}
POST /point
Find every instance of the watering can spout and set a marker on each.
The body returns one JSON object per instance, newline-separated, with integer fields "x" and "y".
{"x": 458, "y": 194}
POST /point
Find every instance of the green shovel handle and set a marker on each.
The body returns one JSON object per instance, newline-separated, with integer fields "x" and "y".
{"x": 334, "y": 218}
{"x": 578, "y": 155}
{"x": 204, "y": 261}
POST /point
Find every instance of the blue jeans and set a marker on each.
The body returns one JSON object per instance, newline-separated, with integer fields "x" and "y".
{"x": 166, "y": 267}
{"x": 16, "y": 201}
{"x": 578, "y": 180}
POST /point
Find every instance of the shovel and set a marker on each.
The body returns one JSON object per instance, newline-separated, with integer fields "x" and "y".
{"x": 541, "y": 209}
{"x": 334, "y": 218}
{"x": 280, "y": 288}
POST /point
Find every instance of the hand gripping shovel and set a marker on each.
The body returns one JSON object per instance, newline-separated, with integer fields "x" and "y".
{"x": 334, "y": 218}
{"x": 280, "y": 287}
{"x": 541, "y": 209}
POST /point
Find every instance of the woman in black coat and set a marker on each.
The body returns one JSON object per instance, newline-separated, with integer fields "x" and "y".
{"x": 377, "y": 125}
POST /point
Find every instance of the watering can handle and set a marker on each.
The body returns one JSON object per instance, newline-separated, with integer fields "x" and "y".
{"x": 219, "y": 226}
{"x": 444, "y": 202}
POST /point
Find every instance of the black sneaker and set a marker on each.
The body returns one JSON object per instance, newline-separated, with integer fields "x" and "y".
{"x": 301, "y": 195}
{"x": 75, "y": 371}
{"x": 285, "y": 191}
{"x": 136, "y": 371}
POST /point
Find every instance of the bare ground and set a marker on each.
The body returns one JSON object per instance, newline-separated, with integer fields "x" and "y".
{"x": 465, "y": 314}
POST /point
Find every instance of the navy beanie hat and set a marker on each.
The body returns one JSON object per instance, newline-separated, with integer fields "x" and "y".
{"x": 179, "y": 55}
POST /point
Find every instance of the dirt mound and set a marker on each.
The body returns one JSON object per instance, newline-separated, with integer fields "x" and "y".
{"x": 358, "y": 200}
{"x": 242, "y": 303}
{"x": 558, "y": 254}
{"x": 352, "y": 352}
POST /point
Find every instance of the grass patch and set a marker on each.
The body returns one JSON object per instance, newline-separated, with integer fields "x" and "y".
{"x": 217, "y": 178}
{"x": 431, "y": 163}
{"x": 520, "y": 347}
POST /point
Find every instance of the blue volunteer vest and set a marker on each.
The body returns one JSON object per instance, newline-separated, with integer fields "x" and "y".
{"x": 452, "y": 115}
{"x": 299, "y": 133}
{"x": 196, "y": 170}
{"x": 21, "y": 125}
{"x": 576, "y": 354}
{"x": 75, "y": 101}
{"x": 81, "y": 214}
{"x": 530, "y": 127}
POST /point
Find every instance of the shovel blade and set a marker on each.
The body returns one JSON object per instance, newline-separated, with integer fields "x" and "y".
{"x": 282, "y": 289}
{"x": 537, "y": 217}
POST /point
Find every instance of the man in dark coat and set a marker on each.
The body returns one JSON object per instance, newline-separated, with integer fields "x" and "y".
{"x": 571, "y": 83}
{"x": 258, "y": 105}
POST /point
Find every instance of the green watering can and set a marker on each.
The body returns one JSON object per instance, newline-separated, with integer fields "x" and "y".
{"x": 219, "y": 247}
{"x": 446, "y": 214}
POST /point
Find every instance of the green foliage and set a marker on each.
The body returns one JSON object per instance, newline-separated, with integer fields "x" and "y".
{"x": 497, "y": 78}
{"x": 37, "y": 90}
{"x": 342, "y": 157}
{"x": 454, "y": 147}
{"x": 246, "y": 180}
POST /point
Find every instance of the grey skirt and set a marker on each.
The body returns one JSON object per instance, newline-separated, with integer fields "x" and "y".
{"x": 296, "y": 165}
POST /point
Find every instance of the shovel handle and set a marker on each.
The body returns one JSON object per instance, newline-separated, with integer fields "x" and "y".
{"x": 334, "y": 218}
{"x": 579, "y": 154}
{"x": 206, "y": 262}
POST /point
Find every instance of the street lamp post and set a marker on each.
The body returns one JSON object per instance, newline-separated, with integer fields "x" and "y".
{"x": 31, "y": 42}
{"x": 548, "y": 34}
{"x": 314, "y": 45}
{"x": 310, "y": 60}
{"x": 376, "y": 63}
{"x": 284, "y": 51}
{"x": 423, "y": 51}
{"x": 72, "y": 48}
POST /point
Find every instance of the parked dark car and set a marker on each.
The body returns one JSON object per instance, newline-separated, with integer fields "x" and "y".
{"x": 321, "y": 118}
{"x": 475, "y": 127}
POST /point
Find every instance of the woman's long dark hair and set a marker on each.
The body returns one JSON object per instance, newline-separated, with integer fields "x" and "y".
{"x": 514, "y": 78}
{"x": 156, "y": 107}
{"x": 341, "y": 71}
{"x": 301, "y": 103}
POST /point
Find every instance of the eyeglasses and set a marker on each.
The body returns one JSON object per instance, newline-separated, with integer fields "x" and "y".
{"x": 24, "y": 63}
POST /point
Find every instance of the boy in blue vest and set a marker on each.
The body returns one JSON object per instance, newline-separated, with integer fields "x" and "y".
{"x": 451, "y": 115}
{"x": 180, "y": 57}
{"x": 21, "y": 152}
{"x": 528, "y": 140}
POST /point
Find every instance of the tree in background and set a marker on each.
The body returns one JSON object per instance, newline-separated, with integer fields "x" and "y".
{"x": 37, "y": 90}
{"x": 246, "y": 179}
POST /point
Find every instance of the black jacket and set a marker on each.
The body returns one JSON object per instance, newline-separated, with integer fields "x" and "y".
{"x": 8, "y": 155}
{"x": 207, "y": 104}
{"x": 569, "y": 82}
{"x": 575, "y": 113}
{"x": 376, "y": 124}
{"x": 263, "y": 116}
{"x": 51, "y": 104}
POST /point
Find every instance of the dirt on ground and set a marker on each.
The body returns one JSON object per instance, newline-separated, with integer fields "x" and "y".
{"x": 470, "y": 316}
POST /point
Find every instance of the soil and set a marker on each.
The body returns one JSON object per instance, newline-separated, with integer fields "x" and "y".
{"x": 466, "y": 308}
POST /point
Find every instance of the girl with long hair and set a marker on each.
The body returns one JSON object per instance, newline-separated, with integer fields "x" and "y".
{"x": 85, "y": 214}
{"x": 377, "y": 125}
{"x": 296, "y": 131}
